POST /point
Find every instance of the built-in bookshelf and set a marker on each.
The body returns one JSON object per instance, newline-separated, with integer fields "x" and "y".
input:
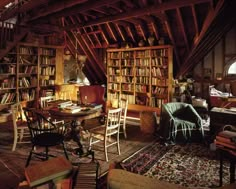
{"x": 27, "y": 72}
{"x": 47, "y": 71}
{"x": 8, "y": 70}
{"x": 142, "y": 75}
{"x": 27, "y": 75}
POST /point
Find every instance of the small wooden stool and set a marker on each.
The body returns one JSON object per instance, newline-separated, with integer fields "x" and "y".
{"x": 87, "y": 175}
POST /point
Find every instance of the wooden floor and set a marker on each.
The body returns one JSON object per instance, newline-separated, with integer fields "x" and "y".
{"x": 17, "y": 159}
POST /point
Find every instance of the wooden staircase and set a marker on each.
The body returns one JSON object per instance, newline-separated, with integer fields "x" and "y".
{"x": 10, "y": 35}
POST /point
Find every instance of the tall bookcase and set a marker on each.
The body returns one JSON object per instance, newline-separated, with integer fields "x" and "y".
{"x": 27, "y": 72}
{"x": 142, "y": 75}
{"x": 47, "y": 70}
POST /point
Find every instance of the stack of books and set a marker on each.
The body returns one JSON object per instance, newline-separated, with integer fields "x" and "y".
{"x": 226, "y": 139}
{"x": 46, "y": 171}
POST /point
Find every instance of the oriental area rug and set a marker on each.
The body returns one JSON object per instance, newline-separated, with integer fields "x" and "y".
{"x": 189, "y": 165}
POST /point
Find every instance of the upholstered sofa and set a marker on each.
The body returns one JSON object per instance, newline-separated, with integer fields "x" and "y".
{"x": 121, "y": 179}
{"x": 180, "y": 122}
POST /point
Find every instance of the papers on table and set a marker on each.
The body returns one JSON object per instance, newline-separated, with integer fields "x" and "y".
{"x": 76, "y": 108}
{"x": 72, "y": 109}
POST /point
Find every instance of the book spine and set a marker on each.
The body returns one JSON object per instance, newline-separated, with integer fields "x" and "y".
{"x": 226, "y": 145}
{"x": 223, "y": 139}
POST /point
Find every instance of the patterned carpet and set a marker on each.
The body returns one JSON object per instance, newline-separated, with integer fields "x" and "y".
{"x": 190, "y": 165}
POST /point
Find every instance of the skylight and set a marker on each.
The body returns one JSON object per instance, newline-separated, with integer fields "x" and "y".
{"x": 9, "y": 5}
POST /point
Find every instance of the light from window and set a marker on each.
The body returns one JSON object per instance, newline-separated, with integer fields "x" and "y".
{"x": 232, "y": 69}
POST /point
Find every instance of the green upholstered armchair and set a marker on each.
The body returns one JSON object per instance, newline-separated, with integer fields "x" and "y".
{"x": 180, "y": 121}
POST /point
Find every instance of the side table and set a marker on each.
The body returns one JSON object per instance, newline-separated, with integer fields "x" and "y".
{"x": 220, "y": 117}
{"x": 231, "y": 156}
{"x": 86, "y": 176}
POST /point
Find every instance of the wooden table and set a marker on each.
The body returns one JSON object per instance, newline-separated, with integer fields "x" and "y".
{"x": 230, "y": 155}
{"x": 221, "y": 117}
{"x": 89, "y": 113}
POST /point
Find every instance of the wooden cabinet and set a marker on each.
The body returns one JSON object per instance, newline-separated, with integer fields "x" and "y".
{"x": 27, "y": 72}
{"x": 142, "y": 75}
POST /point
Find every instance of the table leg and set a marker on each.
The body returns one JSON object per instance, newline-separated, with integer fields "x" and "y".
{"x": 76, "y": 137}
{"x": 221, "y": 169}
{"x": 232, "y": 171}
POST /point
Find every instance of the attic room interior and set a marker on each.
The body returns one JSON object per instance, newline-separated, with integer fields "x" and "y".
{"x": 165, "y": 68}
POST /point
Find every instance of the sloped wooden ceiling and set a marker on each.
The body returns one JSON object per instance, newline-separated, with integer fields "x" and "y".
{"x": 191, "y": 26}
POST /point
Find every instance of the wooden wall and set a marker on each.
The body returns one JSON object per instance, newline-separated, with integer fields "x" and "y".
{"x": 214, "y": 65}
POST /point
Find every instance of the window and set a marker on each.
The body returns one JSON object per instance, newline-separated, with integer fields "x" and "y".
{"x": 232, "y": 69}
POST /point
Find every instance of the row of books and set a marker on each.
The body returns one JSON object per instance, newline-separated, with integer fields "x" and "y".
{"x": 47, "y": 70}
{"x": 32, "y": 60}
{"x": 47, "y": 61}
{"x": 7, "y": 83}
{"x": 8, "y": 98}
{"x": 46, "y": 82}
{"x": 226, "y": 139}
{"x": 28, "y": 50}
{"x": 27, "y": 95}
{"x": 10, "y": 69}
{"x": 28, "y": 69}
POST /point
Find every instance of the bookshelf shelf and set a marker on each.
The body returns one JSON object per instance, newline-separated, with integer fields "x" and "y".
{"x": 143, "y": 75}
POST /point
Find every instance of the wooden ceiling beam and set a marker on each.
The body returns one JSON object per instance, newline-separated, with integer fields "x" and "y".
{"x": 197, "y": 45}
{"x": 104, "y": 36}
{"x": 131, "y": 34}
{"x": 91, "y": 56}
{"x": 151, "y": 20}
{"x": 3, "y": 3}
{"x": 144, "y": 11}
{"x": 142, "y": 32}
{"x": 85, "y": 50}
{"x": 209, "y": 19}
{"x": 96, "y": 37}
{"x": 9, "y": 13}
{"x": 195, "y": 20}
{"x": 111, "y": 31}
{"x": 120, "y": 32}
{"x": 93, "y": 32}
{"x": 70, "y": 7}
{"x": 173, "y": 41}
{"x": 183, "y": 29}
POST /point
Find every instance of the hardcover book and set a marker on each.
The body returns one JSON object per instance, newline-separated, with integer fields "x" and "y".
{"x": 227, "y": 136}
{"x": 45, "y": 171}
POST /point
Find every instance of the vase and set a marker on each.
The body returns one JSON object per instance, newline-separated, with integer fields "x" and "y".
{"x": 151, "y": 40}
{"x": 141, "y": 43}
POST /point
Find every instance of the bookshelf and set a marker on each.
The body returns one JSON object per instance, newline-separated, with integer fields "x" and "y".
{"x": 142, "y": 75}
{"x": 47, "y": 70}
{"x": 8, "y": 70}
{"x": 27, "y": 76}
{"x": 27, "y": 72}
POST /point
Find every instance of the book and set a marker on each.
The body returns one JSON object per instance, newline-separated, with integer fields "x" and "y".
{"x": 65, "y": 103}
{"x": 46, "y": 171}
{"x": 95, "y": 105}
{"x": 225, "y": 145}
{"x": 72, "y": 109}
{"x": 223, "y": 139}
{"x": 227, "y": 135}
